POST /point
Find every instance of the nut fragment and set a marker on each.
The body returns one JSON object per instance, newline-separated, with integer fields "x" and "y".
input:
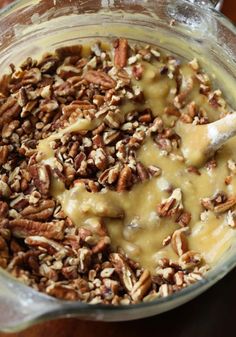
{"x": 41, "y": 212}
{"x": 189, "y": 260}
{"x": 41, "y": 176}
{"x": 124, "y": 179}
{"x": 100, "y": 78}
{"x": 121, "y": 53}
{"x": 171, "y": 206}
{"x": 179, "y": 241}
{"x": 4, "y": 151}
{"x": 141, "y": 287}
{"x": 124, "y": 272}
{"x": 23, "y": 228}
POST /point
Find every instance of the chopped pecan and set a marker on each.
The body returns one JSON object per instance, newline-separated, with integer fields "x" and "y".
{"x": 100, "y": 159}
{"x": 124, "y": 179}
{"x": 141, "y": 287}
{"x": 179, "y": 241}
{"x": 102, "y": 245}
{"x": 193, "y": 169}
{"x": 114, "y": 119}
{"x": 4, "y": 86}
{"x": 165, "y": 290}
{"x": 142, "y": 172}
{"x": 123, "y": 270}
{"x": 100, "y": 78}
{"x": 23, "y": 228}
{"x": 62, "y": 292}
{"x": 5, "y": 190}
{"x": 171, "y": 206}
{"x": 221, "y": 208}
{"x": 4, "y": 253}
{"x": 41, "y": 175}
{"x": 184, "y": 219}
{"x": 27, "y": 259}
{"x": 121, "y": 53}
{"x": 9, "y": 111}
{"x": 109, "y": 176}
{"x": 84, "y": 255}
{"x": 66, "y": 51}
{"x": 3, "y": 209}
{"x": 154, "y": 171}
{"x": 219, "y": 203}
{"x": 49, "y": 245}
{"x": 190, "y": 260}
{"x": 4, "y": 151}
{"x": 41, "y": 212}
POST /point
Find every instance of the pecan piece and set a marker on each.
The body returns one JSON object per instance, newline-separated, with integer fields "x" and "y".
{"x": 100, "y": 78}
{"x": 29, "y": 259}
{"x": 184, "y": 219}
{"x": 41, "y": 212}
{"x": 4, "y": 189}
{"x": 3, "y": 209}
{"x": 84, "y": 255}
{"x": 109, "y": 176}
{"x": 9, "y": 111}
{"x": 124, "y": 179}
{"x": 66, "y": 51}
{"x": 63, "y": 292}
{"x": 225, "y": 206}
{"x": 141, "y": 287}
{"x": 41, "y": 175}
{"x": 171, "y": 206}
{"x": 190, "y": 260}
{"x": 121, "y": 53}
{"x": 4, "y": 151}
{"x": 123, "y": 270}
{"x": 4, "y": 253}
{"x": 142, "y": 172}
{"x": 49, "y": 245}
{"x": 22, "y": 228}
{"x": 179, "y": 241}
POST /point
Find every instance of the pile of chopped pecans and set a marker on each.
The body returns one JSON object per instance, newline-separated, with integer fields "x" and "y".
{"x": 39, "y": 244}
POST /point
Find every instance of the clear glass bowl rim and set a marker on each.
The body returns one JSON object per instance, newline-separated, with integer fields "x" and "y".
{"x": 70, "y": 309}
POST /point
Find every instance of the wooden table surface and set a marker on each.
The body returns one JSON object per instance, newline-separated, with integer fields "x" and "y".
{"x": 211, "y": 314}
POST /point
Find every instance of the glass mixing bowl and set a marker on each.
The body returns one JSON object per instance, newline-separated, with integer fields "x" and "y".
{"x": 30, "y": 27}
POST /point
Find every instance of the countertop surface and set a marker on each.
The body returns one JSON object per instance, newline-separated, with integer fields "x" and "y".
{"x": 211, "y": 314}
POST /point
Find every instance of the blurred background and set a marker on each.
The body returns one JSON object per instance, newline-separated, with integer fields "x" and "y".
{"x": 229, "y": 7}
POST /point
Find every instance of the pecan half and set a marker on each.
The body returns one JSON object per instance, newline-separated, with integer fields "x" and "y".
{"x": 22, "y": 228}
{"x": 100, "y": 78}
{"x": 142, "y": 172}
{"x": 124, "y": 179}
{"x": 41, "y": 175}
{"x": 9, "y": 111}
{"x": 4, "y": 151}
{"x": 141, "y": 287}
{"x": 121, "y": 53}
{"x": 225, "y": 206}
{"x": 179, "y": 241}
{"x": 41, "y": 212}
{"x": 49, "y": 245}
{"x": 123, "y": 270}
